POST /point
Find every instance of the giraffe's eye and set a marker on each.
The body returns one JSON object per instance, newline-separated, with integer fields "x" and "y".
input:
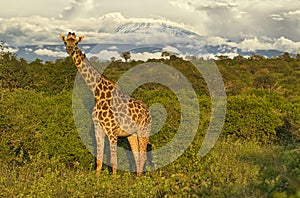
{"x": 65, "y": 43}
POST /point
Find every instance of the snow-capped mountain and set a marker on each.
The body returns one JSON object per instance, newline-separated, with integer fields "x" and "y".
{"x": 154, "y": 27}
{"x": 146, "y": 39}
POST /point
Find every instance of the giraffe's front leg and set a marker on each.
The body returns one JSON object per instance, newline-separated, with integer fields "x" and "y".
{"x": 100, "y": 137}
{"x": 100, "y": 150}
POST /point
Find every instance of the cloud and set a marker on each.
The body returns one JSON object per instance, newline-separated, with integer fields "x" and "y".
{"x": 11, "y": 49}
{"x": 78, "y": 9}
{"x": 230, "y": 19}
{"x": 28, "y": 49}
{"x": 216, "y": 5}
{"x": 29, "y": 30}
{"x": 250, "y": 45}
{"x": 105, "y": 54}
{"x": 113, "y": 47}
{"x": 249, "y": 27}
{"x": 277, "y": 17}
{"x": 216, "y": 41}
{"x": 47, "y": 52}
{"x": 281, "y": 44}
{"x": 233, "y": 19}
{"x": 145, "y": 56}
{"x": 86, "y": 47}
{"x": 172, "y": 49}
{"x": 22, "y": 31}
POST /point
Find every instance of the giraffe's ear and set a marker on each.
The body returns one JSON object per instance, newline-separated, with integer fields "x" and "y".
{"x": 63, "y": 38}
{"x": 80, "y": 39}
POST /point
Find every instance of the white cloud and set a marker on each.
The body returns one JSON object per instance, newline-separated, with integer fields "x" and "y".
{"x": 86, "y": 47}
{"x": 113, "y": 47}
{"x": 253, "y": 44}
{"x": 172, "y": 49}
{"x": 222, "y": 18}
{"x": 22, "y": 31}
{"x": 28, "y": 49}
{"x": 287, "y": 45}
{"x": 145, "y": 56}
{"x": 78, "y": 9}
{"x": 47, "y": 52}
{"x": 216, "y": 41}
{"x": 282, "y": 44}
{"x": 249, "y": 25}
{"x": 277, "y": 17}
{"x": 185, "y": 5}
{"x": 45, "y": 8}
{"x": 105, "y": 55}
{"x": 10, "y": 49}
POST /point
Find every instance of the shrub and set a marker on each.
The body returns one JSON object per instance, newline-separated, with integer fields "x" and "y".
{"x": 252, "y": 118}
{"x": 33, "y": 123}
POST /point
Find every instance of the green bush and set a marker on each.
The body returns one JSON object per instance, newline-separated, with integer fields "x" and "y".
{"x": 252, "y": 118}
{"x": 50, "y": 77}
{"x": 34, "y": 123}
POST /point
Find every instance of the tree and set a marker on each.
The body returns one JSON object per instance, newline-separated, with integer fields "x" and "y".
{"x": 257, "y": 57}
{"x": 223, "y": 58}
{"x": 2, "y": 43}
{"x": 264, "y": 79}
{"x": 165, "y": 54}
{"x": 286, "y": 57}
{"x": 94, "y": 59}
{"x": 126, "y": 55}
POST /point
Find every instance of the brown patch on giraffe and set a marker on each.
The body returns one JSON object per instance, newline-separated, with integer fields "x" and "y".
{"x": 105, "y": 106}
{"x": 108, "y": 94}
{"x": 104, "y": 113}
{"x": 102, "y": 95}
{"x": 134, "y": 117}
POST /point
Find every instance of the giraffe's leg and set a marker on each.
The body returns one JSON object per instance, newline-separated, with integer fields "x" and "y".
{"x": 113, "y": 140}
{"x": 134, "y": 144}
{"x": 113, "y": 156}
{"x": 100, "y": 137}
{"x": 143, "y": 143}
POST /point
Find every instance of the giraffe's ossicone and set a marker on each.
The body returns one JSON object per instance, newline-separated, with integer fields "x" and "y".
{"x": 115, "y": 114}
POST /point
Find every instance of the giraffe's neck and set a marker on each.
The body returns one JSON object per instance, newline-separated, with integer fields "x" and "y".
{"x": 90, "y": 75}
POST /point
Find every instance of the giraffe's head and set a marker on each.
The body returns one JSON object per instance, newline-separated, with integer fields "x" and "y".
{"x": 71, "y": 42}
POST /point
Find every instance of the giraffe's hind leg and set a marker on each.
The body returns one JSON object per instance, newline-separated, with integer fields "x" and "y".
{"x": 139, "y": 146}
{"x": 143, "y": 143}
{"x": 113, "y": 156}
{"x": 134, "y": 144}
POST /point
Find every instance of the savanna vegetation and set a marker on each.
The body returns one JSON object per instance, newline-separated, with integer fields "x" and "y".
{"x": 257, "y": 154}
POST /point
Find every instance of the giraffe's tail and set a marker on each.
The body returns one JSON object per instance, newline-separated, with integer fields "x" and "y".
{"x": 149, "y": 155}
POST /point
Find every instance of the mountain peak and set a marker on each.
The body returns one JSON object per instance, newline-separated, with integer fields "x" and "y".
{"x": 150, "y": 27}
{"x": 113, "y": 15}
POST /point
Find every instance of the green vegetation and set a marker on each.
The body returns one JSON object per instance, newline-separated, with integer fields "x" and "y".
{"x": 257, "y": 155}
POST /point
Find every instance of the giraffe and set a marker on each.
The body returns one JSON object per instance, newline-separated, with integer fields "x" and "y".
{"x": 114, "y": 114}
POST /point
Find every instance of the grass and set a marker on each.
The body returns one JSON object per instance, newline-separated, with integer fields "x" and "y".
{"x": 231, "y": 169}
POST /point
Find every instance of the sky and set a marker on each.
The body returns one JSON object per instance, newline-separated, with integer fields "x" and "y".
{"x": 251, "y": 25}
